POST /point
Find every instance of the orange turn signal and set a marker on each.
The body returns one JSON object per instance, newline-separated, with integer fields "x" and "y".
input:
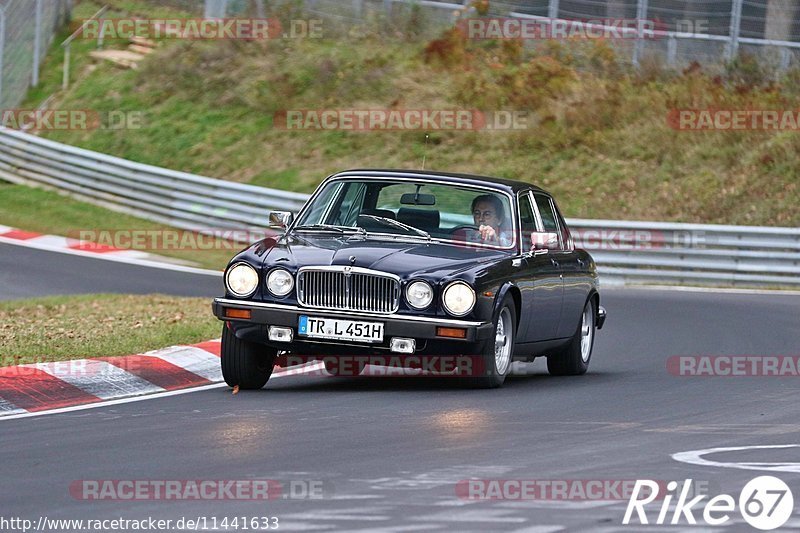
{"x": 237, "y": 313}
{"x": 457, "y": 333}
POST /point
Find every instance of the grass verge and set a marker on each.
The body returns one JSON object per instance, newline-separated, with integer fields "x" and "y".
{"x": 48, "y": 212}
{"x": 58, "y": 328}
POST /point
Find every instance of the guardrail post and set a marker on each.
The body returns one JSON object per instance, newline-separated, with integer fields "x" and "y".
{"x": 641, "y": 15}
{"x": 552, "y": 10}
{"x": 736, "y": 23}
{"x": 358, "y": 8}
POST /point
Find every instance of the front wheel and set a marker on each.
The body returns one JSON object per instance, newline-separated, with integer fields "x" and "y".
{"x": 246, "y": 364}
{"x": 499, "y": 349}
{"x": 574, "y": 359}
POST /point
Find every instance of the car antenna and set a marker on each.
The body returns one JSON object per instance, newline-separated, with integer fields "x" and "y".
{"x": 424, "y": 150}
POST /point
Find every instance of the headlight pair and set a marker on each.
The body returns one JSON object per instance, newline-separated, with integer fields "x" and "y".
{"x": 242, "y": 281}
{"x": 458, "y": 297}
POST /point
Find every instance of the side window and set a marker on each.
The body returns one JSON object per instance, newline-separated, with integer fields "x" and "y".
{"x": 547, "y": 214}
{"x": 566, "y": 237}
{"x": 527, "y": 221}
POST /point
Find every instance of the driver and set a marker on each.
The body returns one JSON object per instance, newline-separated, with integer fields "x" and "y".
{"x": 487, "y": 212}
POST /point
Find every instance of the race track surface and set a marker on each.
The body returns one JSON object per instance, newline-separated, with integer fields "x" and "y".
{"x": 388, "y": 453}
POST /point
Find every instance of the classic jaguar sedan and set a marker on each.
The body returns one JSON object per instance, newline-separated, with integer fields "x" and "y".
{"x": 391, "y": 265}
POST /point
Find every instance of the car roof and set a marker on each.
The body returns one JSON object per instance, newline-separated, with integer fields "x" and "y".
{"x": 502, "y": 184}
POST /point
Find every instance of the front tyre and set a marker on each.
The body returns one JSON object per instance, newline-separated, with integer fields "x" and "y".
{"x": 246, "y": 364}
{"x": 574, "y": 359}
{"x": 500, "y": 348}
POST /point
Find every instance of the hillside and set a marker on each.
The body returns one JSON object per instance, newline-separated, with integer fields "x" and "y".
{"x": 598, "y": 134}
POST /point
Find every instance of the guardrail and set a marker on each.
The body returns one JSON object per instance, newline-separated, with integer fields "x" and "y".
{"x": 626, "y": 252}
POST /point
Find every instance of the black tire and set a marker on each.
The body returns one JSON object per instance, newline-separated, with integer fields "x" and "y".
{"x": 493, "y": 376}
{"x": 570, "y": 360}
{"x": 246, "y": 364}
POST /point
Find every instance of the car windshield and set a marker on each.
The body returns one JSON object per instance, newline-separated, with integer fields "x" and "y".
{"x": 416, "y": 209}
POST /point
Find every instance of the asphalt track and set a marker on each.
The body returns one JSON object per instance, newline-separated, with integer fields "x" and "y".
{"x": 389, "y": 452}
{"x": 28, "y": 272}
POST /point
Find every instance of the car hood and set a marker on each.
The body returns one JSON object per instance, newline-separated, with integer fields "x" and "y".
{"x": 404, "y": 258}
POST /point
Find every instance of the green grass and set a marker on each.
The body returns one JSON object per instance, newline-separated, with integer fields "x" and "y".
{"x": 44, "y": 211}
{"x": 58, "y": 328}
{"x": 601, "y": 142}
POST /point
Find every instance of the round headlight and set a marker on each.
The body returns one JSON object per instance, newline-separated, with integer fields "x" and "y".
{"x": 419, "y": 295}
{"x": 458, "y": 298}
{"x": 242, "y": 280}
{"x": 280, "y": 282}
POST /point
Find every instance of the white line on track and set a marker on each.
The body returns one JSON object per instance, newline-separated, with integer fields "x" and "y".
{"x": 695, "y": 457}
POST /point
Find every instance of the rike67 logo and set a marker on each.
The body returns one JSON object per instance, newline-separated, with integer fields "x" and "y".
{"x": 765, "y": 503}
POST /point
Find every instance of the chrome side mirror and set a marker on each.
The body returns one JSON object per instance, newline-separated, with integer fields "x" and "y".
{"x": 280, "y": 219}
{"x": 544, "y": 240}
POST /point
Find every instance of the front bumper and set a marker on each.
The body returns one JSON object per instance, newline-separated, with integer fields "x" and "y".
{"x": 422, "y": 329}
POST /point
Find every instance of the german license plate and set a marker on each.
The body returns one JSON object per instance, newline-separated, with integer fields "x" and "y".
{"x": 337, "y": 329}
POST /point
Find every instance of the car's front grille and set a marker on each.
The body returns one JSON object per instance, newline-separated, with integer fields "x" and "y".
{"x": 348, "y": 288}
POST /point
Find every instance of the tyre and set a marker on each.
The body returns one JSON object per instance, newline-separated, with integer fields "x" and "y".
{"x": 499, "y": 350}
{"x": 574, "y": 358}
{"x": 246, "y": 364}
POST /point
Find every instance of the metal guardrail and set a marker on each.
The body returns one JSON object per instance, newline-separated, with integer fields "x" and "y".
{"x": 626, "y": 252}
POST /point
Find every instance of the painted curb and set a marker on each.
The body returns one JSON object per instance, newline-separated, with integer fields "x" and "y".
{"x": 37, "y": 387}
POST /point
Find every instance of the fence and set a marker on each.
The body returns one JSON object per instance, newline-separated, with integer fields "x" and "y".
{"x": 27, "y": 28}
{"x": 707, "y": 31}
{"x": 626, "y": 252}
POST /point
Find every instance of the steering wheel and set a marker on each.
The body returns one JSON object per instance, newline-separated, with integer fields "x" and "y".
{"x": 464, "y": 226}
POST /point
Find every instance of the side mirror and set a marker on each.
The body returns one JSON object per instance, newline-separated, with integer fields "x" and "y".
{"x": 280, "y": 219}
{"x": 544, "y": 240}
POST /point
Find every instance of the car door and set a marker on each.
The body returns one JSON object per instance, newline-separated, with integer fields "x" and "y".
{"x": 541, "y": 285}
{"x": 577, "y": 282}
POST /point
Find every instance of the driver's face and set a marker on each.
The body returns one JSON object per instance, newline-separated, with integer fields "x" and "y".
{"x": 485, "y": 214}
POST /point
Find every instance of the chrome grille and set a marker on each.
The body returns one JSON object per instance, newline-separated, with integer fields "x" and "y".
{"x": 348, "y": 288}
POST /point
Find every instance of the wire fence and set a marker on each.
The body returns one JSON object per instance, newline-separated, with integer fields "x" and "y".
{"x": 674, "y": 33}
{"x": 27, "y": 28}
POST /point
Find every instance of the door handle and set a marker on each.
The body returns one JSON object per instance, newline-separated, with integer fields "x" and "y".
{"x": 581, "y": 263}
{"x": 553, "y": 262}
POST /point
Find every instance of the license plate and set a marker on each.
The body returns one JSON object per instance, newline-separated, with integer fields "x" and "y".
{"x": 336, "y": 329}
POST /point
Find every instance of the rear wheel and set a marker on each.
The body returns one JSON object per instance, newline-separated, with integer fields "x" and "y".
{"x": 574, "y": 359}
{"x": 246, "y": 364}
{"x": 500, "y": 348}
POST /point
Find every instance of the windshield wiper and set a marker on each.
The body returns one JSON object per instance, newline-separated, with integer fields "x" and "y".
{"x": 393, "y": 222}
{"x": 330, "y": 227}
